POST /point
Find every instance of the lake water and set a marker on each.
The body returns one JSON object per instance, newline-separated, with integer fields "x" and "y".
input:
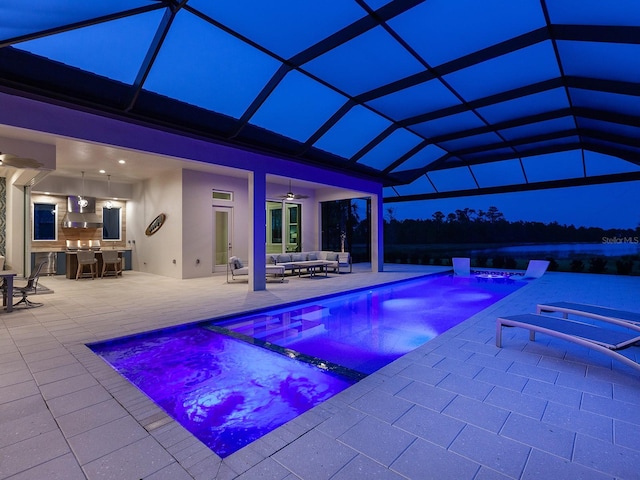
{"x": 565, "y": 249}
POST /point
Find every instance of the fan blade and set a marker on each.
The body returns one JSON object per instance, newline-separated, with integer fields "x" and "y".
{"x": 9, "y": 160}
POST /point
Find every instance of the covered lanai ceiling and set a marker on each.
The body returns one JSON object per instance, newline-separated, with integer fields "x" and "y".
{"x": 434, "y": 98}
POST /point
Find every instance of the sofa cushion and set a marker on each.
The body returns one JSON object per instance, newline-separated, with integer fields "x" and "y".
{"x": 297, "y": 257}
{"x": 332, "y": 257}
{"x": 284, "y": 258}
{"x": 312, "y": 256}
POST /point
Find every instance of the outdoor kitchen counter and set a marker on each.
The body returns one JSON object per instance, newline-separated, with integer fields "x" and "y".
{"x": 72, "y": 262}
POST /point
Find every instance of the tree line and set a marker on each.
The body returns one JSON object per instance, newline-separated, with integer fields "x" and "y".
{"x": 490, "y": 226}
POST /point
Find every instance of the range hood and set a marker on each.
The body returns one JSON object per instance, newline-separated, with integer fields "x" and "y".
{"x": 81, "y": 216}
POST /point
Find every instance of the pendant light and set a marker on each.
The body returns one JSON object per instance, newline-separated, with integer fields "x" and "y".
{"x": 83, "y": 202}
{"x": 108, "y": 203}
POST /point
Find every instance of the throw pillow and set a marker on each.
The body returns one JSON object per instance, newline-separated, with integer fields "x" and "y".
{"x": 297, "y": 257}
{"x": 312, "y": 256}
{"x": 332, "y": 257}
{"x": 284, "y": 258}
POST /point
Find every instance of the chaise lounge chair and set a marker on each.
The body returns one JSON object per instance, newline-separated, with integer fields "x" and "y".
{"x": 597, "y": 336}
{"x": 536, "y": 268}
{"x": 597, "y": 312}
{"x": 461, "y": 266}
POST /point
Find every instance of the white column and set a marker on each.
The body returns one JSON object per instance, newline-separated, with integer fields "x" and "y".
{"x": 377, "y": 229}
{"x": 257, "y": 230}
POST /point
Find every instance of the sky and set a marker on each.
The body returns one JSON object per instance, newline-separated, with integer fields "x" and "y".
{"x": 607, "y": 206}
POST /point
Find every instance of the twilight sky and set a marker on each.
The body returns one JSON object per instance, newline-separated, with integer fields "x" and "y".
{"x": 607, "y": 206}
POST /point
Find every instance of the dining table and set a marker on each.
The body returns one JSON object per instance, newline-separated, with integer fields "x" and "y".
{"x": 7, "y": 288}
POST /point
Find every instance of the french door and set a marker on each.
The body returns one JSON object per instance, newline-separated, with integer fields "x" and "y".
{"x": 222, "y": 241}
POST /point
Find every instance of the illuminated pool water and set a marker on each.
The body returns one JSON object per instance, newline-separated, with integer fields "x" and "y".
{"x": 367, "y": 329}
{"x": 216, "y": 381}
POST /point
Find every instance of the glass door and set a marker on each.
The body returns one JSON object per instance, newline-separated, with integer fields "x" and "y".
{"x": 294, "y": 238}
{"x": 274, "y": 227}
{"x": 222, "y": 246}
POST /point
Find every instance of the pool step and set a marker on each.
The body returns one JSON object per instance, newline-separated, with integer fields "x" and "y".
{"x": 248, "y": 325}
{"x": 282, "y": 328}
{"x": 315, "y": 315}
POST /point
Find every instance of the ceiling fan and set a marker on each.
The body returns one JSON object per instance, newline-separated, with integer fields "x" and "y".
{"x": 293, "y": 196}
{"x": 9, "y": 160}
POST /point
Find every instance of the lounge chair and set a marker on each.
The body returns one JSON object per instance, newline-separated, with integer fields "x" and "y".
{"x": 597, "y": 337}
{"x": 461, "y": 266}
{"x": 597, "y": 312}
{"x": 536, "y": 268}
{"x": 344, "y": 261}
{"x": 237, "y": 269}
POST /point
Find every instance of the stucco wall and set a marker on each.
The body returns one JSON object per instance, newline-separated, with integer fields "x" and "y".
{"x": 156, "y": 253}
{"x": 197, "y": 219}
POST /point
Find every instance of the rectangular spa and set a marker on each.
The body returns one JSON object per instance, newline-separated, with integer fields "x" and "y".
{"x": 230, "y": 381}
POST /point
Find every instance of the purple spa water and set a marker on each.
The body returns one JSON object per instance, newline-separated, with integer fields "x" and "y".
{"x": 215, "y": 380}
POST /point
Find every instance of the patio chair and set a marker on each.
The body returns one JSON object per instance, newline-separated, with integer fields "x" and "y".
{"x": 597, "y": 336}
{"x": 30, "y": 288}
{"x": 461, "y": 266}
{"x": 536, "y": 268}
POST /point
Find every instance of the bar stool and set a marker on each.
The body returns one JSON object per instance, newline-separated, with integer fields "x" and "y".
{"x": 86, "y": 258}
{"x": 111, "y": 258}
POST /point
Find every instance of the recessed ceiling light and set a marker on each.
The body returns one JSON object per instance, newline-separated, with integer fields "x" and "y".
{"x": 121, "y": 162}
{"x": 103, "y": 171}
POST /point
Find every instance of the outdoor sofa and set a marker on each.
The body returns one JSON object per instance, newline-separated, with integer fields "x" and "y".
{"x": 337, "y": 261}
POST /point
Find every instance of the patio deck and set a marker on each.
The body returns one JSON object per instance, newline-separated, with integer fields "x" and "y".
{"x": 457, "y": 407}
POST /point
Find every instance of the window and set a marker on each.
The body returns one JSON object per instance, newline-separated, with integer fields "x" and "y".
{"x": 283, "y": 227}
{"x": 45, "y": 221}
{"x": 222, "y": 195}
{"x": 276, "y": 225}
{"x": 111, "y": 223}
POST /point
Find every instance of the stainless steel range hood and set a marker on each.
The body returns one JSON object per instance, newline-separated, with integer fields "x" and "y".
{"x": 79, "y": 216}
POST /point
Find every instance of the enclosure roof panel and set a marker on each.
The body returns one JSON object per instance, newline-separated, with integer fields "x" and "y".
{"x": 453, "y": 93}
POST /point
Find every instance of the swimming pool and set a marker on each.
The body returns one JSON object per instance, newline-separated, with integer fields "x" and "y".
{"x": 216, "y": 381}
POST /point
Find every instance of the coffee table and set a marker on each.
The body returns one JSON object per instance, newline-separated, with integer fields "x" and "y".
{"x": 312, "y": 266}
